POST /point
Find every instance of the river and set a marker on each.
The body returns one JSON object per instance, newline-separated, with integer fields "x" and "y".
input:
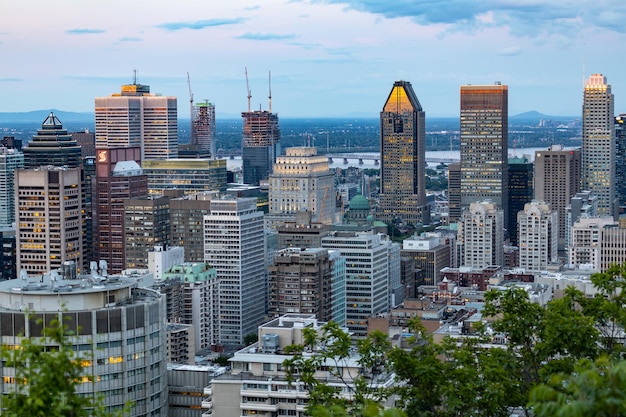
{"x": 233, "y": 164}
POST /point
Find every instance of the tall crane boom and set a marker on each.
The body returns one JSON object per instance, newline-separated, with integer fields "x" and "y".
{"x": 270, "y": 96}
{"x": 248, "y": 88}
{"x": 193, "y": 134}
{"x": 190, "y": 93}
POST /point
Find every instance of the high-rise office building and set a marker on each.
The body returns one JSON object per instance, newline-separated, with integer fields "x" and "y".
{"x": 301, "y": 182}
{"x": 367, "y": 275}
{"x": 8, "y": 252}
{"x": 557, "y": 180}
{"x": 537, "y": 236}
{"x": 481, "y": 235}
{"x": 403, "y": 157}
{"x": 260, "y": 145}
{"x": 49, "y": 218}
{"x": 118, "y": 177}
{"x": 484, "y": 144}
{"x": 620, "y": 162}
{"x": 430, "y": 253}
{"x": 520, "y": 192}
{"x": 598, "y": 150}
{"x": 87, "y": 142}
{"x": 52, "y": 145}
{"x": 146, "y": 225}
{"x": 189, "y": 175}
{"x": 203, "y": 127}
{"x": 235, "y": 247}
{"x": 10, "y": 160}
{"x": 454, "y": 192}
{"x": 187, "y": 223}
{"x": 135, "y": 117}
{"x": 302, "y": 281}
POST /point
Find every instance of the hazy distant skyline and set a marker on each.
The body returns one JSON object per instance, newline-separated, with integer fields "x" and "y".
{"x": 327, "y": 58}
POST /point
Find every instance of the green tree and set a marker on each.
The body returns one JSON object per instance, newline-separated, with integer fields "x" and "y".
{"x": 593, "y": 389}
{"x": 47, "y": 374}
{"x": 331, "y": 349}
{"x": 606, "y": 307}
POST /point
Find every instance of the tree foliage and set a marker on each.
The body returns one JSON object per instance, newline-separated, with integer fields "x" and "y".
{"x": 47, "y": 374}
{"x": 562, "y": 359}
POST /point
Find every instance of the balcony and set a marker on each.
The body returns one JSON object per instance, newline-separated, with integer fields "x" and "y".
{"x": 258, "y": 407}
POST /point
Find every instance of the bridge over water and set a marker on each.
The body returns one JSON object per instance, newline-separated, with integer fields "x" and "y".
{"x": 376, "y": 158}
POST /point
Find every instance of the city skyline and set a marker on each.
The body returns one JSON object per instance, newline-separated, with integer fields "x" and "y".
{"x": 327, "y": 58}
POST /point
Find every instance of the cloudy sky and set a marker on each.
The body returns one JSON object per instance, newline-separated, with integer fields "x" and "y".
{"x": 326, "y": 57}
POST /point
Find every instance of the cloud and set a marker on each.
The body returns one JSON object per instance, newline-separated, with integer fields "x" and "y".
{"x": 524, "y": 17}
{"x": 510, "y": 51}
{"x": 10, "y": 80}
{"x": 200, "y": 24}
{"x": 130, "y": 39}
{"x": 83, "y": 31}
{"x": 266, "y": 36}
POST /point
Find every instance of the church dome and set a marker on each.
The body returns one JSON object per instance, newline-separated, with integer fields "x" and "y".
{"x": 359, "y": 202}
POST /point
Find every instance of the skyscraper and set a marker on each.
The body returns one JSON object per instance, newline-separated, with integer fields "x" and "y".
{"x": 235, "y": 247}
{"x": 598, "y": 150}
{"x": 52, "y": 145}
{"x": 118, "y": 177}
{"x": 302, "y": 281}
{"x": 484, "y": 144}
{"x": 367, "y": 275}
{"x": 557, "y": 180}
{"x": 10, "y": 160}
{"x": 49, "y": 218}
{"x": 520, "y": 192}
{"x": 301, "y": 181}
{"x": 146, "y": 225}
{"x": 454, "y": 192}
{"x": 620, "y": 162}
{"x": 403, "y": 157}
{"x": 260, "y": 145}
{"x": 135, "y": 117}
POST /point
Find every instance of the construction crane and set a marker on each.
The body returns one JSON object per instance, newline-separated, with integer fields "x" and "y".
{"x": 270, "y": 96}
{"x": 193, "y": 139}
{"x": 248, "y": 88}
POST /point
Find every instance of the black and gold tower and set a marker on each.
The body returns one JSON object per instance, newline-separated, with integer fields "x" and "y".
{"x": 403, "y": 158}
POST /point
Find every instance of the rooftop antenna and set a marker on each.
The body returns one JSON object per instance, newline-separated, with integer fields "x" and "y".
{"x": 248, "y": 88}
{"x": 134, "y": 77}
{"x": 270, "y": 96}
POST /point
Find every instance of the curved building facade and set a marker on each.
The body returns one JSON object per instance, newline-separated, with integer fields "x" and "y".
{"x": 120, "y": 333}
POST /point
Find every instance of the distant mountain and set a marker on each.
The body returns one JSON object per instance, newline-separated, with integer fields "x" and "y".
{"x": 535, "y": 116}
{"x": 38, "y": 116}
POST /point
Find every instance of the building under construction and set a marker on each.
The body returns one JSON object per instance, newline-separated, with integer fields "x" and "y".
{"x": 260, "y": 142}
{"x": 260, "y": 145}
{"x": 203, "y": 126}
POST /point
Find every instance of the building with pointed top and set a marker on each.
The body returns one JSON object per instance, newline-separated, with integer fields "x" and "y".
{"x": 403, "y": 157}
{"x": 52, "y": 145}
